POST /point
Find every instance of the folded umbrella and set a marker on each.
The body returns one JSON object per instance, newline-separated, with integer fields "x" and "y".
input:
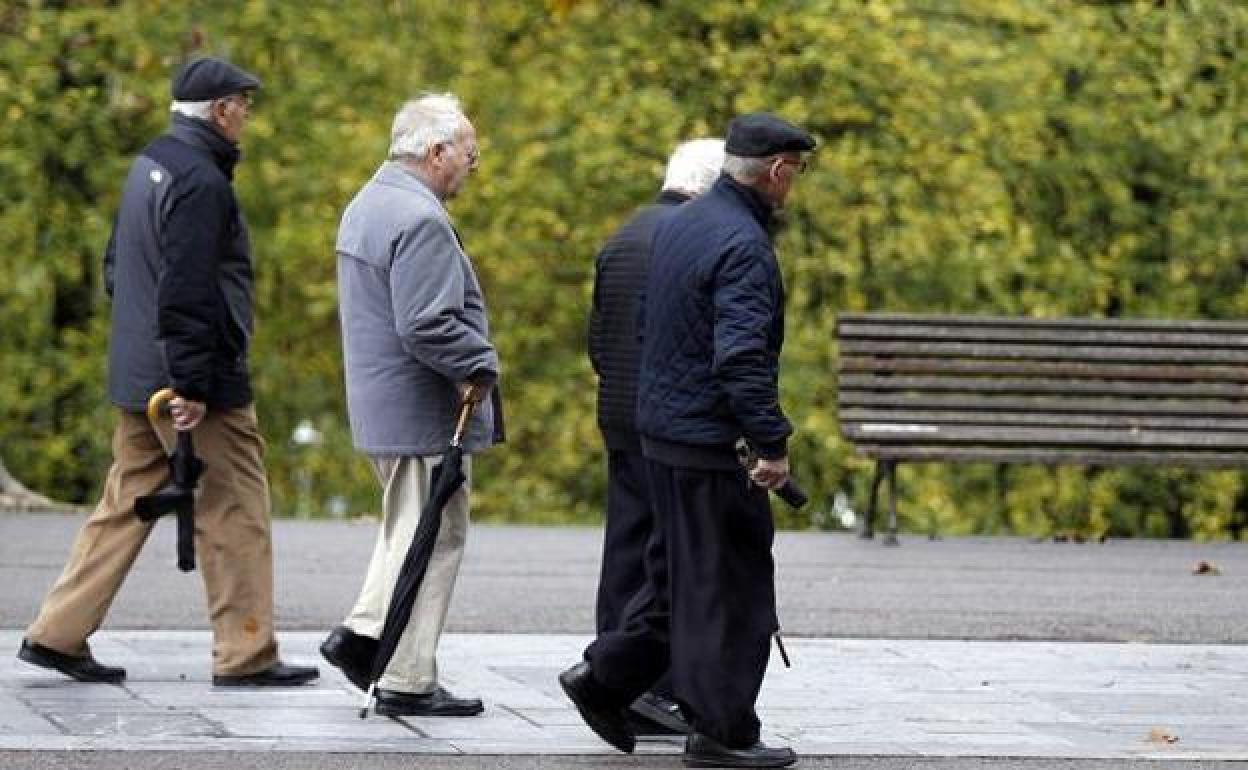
{"x": 178, "y": 494}
{"x": 448, "y": 477}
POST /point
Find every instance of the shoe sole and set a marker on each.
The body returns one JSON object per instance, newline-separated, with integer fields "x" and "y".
{"x": 342, "y": 666}
{"x": 245, "y": 683}
{"x": 381, "y": 710}
{"x": 603, "y": 731}
{"x": 724, "y": 762}
{"x": 35, "y": 660}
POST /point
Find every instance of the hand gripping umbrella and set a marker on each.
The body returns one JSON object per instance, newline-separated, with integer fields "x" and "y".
{"x": 178, "y": 494}
{"x": 447, "y": 479}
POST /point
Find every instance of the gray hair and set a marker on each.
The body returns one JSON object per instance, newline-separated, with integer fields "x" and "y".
{"x": 201, "y": 110}
{"x": 694, "y": 166}
{"x": 746, "y": 169}
{"x": 423, "y": 122}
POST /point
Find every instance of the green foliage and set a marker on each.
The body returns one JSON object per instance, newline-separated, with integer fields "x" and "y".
{"x": 1048, "y": 158}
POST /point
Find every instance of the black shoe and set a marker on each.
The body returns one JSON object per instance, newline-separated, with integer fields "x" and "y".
{"x": 599, "y": 710}
{"x": 277, "y": 675}
{"x": 702, "y": 751}
{"x": 653, "y": 714}
{"x": 352, "y": 654}
{"x": 439, "y": 703}
{"x": 84, "y": 668}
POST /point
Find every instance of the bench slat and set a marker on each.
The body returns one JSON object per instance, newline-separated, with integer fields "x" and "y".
{"x": 1050, "y": 352}
{"x": 931, "y": 434}
{"x": 998, "y": 403}
{"x": 1066, "y": 324}
{"x": 1065, "y": 419}
{"x": 860, "y": 364}
{"x": 1024, "y": 385}
{"x": 1211, "y": 459}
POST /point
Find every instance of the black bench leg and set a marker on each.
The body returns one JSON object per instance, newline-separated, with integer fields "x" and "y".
{"x": 891, "y": 470}
{"x": 866, "y": 528}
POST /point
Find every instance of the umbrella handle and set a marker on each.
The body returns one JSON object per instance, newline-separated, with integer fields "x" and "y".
{"x": 461, "y": 427}
{"x": 157, "y": 402}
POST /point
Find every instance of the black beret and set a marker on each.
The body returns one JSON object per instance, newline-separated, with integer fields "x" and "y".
{"x": 760, "y": 134}
{"x": 207, "y": 78}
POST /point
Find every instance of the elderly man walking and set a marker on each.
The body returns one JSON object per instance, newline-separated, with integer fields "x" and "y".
{"x": 713, "y": 329}
{"x": 179, "y": 270}
{"x": 416, "y": 341}
{"x": 619, "y": 278}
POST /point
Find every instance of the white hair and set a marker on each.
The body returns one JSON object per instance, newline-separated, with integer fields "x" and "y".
{"x": 423, "y": 122}
{"x": 694, "y": 166}
{"x": 746, "y": 169}
{"x": 201, "y": 110}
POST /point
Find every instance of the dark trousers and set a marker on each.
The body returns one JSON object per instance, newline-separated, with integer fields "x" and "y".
{"x": 630, "y": 531}
{"x": 708, "y": 607}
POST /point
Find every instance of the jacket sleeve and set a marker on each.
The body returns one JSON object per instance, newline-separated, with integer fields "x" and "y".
{"x": 427, "y": 294}
{"x": 194, "y": 233}
{"x": 745, "y": 300}
{"x": 110, "y": 260}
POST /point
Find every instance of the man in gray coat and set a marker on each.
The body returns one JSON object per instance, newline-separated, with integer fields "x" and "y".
{"x": 416, "y": 342}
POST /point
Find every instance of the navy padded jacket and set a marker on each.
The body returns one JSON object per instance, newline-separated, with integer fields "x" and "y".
{"x": 713, "y": 326}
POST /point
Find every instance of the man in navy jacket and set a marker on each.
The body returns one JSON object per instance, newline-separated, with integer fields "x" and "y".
{"x": 713, "y": 327}
{"x": 179, "y": 270}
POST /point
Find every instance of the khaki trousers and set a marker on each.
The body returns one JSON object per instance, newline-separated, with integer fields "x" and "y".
{"x": 233, "y": 544}
{"x": 405, "y": 486}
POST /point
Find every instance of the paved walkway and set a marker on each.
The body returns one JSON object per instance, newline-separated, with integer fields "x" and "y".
{"x": 844, "y": 698}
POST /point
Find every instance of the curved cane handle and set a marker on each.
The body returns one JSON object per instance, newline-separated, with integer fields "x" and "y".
{"x": 157, "y": 401}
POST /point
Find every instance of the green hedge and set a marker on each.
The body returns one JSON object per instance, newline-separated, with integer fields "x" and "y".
{"x": 1042, "y": 158}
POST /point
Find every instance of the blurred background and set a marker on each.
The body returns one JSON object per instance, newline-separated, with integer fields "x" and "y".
{"x": 1045, "y": 158}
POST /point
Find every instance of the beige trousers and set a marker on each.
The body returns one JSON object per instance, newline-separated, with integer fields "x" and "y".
{"x": 233, "y": 544}
{"x": 405, "y": 484}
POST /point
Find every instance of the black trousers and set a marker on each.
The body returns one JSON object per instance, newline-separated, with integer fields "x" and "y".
{"x": 707, "y": 609}
{"x": 631, "y": 529}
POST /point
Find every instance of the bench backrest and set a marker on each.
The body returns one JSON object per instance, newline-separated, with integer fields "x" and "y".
{"x": 1088, "y": 391}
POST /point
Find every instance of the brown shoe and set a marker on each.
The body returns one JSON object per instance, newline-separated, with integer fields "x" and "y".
{"x": 84, "y": 668}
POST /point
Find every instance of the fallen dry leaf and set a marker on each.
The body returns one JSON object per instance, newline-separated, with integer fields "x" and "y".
{"x": 1162, "y": 735}
{"x": 1206, "y": 568}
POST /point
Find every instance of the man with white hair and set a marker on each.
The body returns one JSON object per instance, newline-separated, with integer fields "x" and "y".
{"x": 179, "y": 270}
{"x": 416, "y": 341}
{"x": 619, "y": 278}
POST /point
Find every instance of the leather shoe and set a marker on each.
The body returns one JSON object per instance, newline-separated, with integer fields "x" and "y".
{"x": 653, "y": 714}
{"x": 352, "y": 654}
{"x": 703, "y": 751}
{"x": 277, "y": 675}
{"x": 604, "y": 715}
{"x": 84, "y": 668}
{"x": 439, "y": 703}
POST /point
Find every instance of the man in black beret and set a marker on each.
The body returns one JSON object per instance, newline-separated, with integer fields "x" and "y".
{"x": 713, "y": 326}
{"x": 179, "y": 270}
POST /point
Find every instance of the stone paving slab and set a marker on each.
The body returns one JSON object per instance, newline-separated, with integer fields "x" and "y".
{"x": 855, "y": 697}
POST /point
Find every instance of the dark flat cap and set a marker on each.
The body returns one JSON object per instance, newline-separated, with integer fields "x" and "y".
{"x": 760, "y": 134}
{"x": 208, "y": 77}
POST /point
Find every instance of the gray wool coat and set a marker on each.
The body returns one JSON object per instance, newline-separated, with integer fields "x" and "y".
{"x": 413, "y": 321}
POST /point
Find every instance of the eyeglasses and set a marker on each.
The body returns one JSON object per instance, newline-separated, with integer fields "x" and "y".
{"x": 799, "y": 163}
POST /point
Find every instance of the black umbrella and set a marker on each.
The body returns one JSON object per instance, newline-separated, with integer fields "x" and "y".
{"x": 178, "y": 494}
{"x": 447, "y": 479}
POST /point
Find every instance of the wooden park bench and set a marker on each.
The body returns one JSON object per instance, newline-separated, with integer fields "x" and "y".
{"x": 1095, "y": 392}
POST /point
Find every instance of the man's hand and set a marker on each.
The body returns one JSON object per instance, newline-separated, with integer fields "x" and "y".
{"x": 770, "y": 474}
{"x": 186, "y": 413}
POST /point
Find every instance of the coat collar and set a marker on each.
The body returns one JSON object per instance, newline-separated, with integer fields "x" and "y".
{"x": 752, "y": 200}
{"x": 202, "y": 135}
{"x": 672, "y": 197}
{"x": 393, "y": 174}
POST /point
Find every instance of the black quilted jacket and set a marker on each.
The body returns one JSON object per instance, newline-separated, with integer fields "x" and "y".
{"x": 614, "y": 348}
{"x": 713, "y": 326}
